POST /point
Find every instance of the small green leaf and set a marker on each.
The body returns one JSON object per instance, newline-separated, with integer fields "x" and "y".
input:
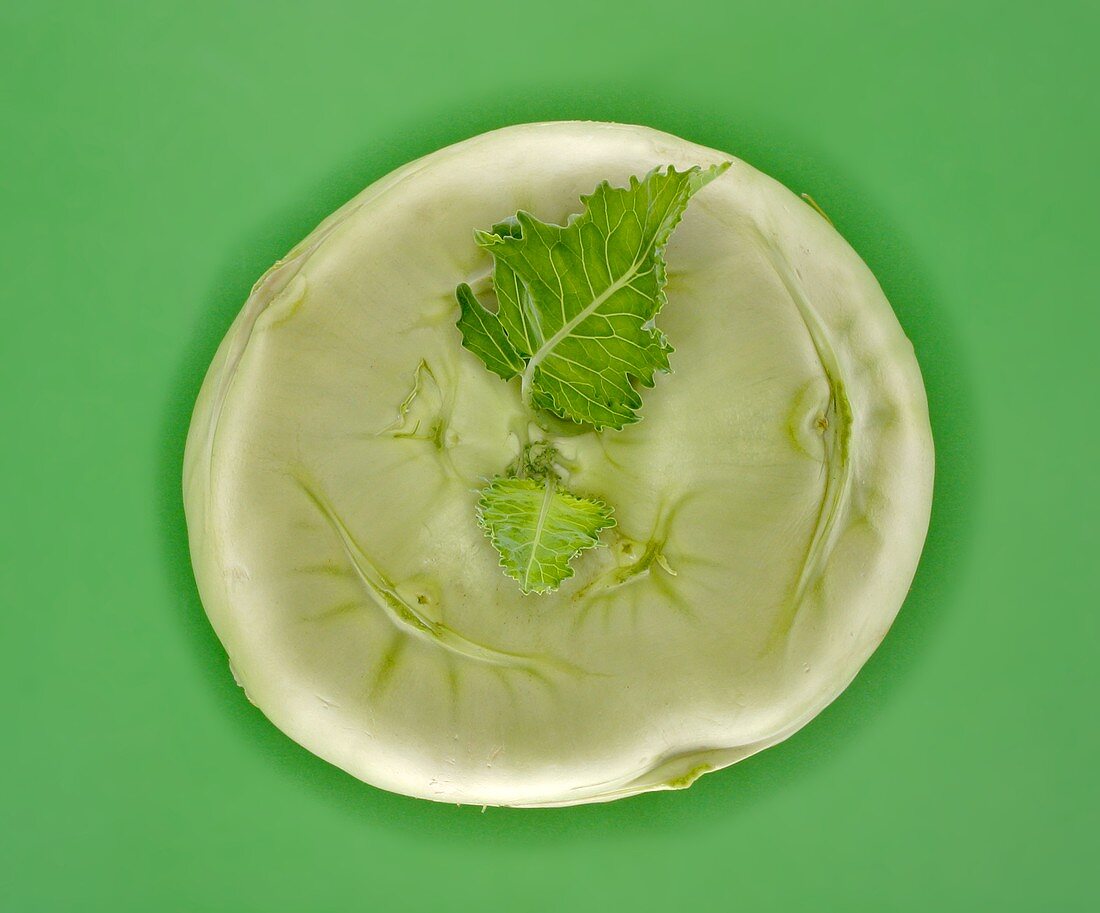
{"x": 576, "y": 303}
{"x": 483, "y": 335}
{"x": 538, "y": 528}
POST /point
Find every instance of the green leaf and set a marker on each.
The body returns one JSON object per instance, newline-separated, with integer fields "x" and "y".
{"x": 576, "y": 303}
{"x": 538, "y": 528}
{"x": 490, "y": 336}
{"x": 483, "y": 335}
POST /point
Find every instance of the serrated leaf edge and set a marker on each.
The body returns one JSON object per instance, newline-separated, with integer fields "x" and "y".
{"x": 607, "y": 512}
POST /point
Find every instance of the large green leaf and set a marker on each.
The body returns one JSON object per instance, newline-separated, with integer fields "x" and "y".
{"x": 576, "y": 303}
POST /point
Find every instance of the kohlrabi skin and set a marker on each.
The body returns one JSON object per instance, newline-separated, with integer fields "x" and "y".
{"x": 566, "y": 463}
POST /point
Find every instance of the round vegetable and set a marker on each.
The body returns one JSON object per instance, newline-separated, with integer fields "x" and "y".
{"x": 482, "y": 579}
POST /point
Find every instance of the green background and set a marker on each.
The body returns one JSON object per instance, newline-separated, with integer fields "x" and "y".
{"x": 155, "y": 158}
